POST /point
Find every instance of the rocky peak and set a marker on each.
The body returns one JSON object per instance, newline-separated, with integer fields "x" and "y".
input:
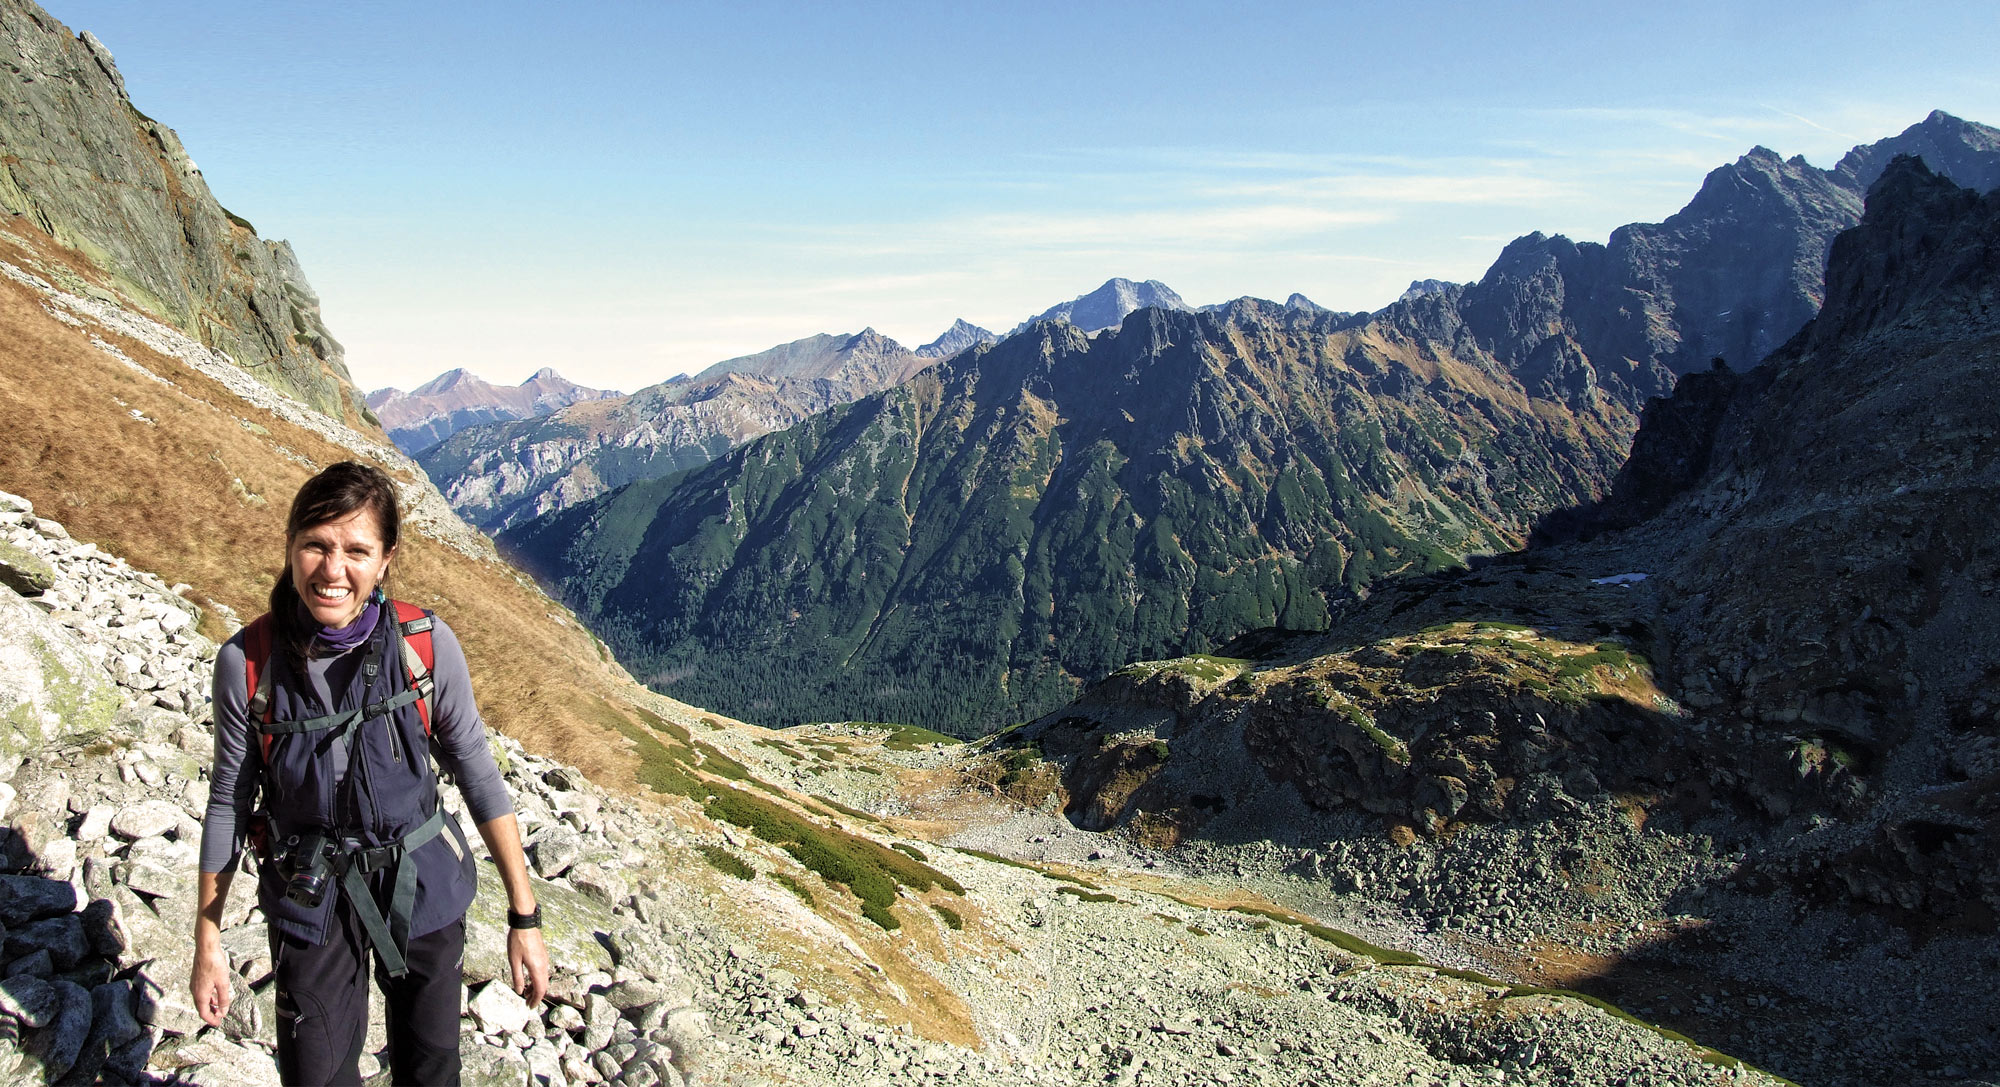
{"x": 961, "y": 335}
{"x": 1108, "y": 305}
{"x": 1925, "y": 246}
{"x": 1965, "y": 151}
{"x": 446, "y": 382}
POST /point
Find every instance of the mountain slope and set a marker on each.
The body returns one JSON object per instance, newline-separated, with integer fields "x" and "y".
{"x": 83, "y": 165}
{"x": 456, "y": 399}
{"x": 1267, "y": 464}
{"x": 965, "y": 547}
{"x": 1780, "y": 636}
{"x": 501, "y": 474}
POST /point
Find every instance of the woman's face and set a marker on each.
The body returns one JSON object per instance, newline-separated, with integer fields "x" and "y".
{"x": 336, "y": 565}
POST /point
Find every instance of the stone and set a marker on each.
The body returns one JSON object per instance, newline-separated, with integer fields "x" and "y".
{"x": 159, "y": 881}
{"x": 600, "y": 1017}
{"x": 49, "y": 685}
{"x": 555, "y": 850}
{"x": 40, "y": 963}
{"x": 498, "y": 1008}
{"x": 489, "y": 1066}
{"x": 31, "y": 898}
{"x": 96, "y": 823}
{"x": 57, "y": 1044}
{"x": 113, "y": 1001}
{"x": 24, "y": 571}
{"x": 690, "y": 1037}
{"x": 62, "y": 937}
{"x": 635, "y": 993}
{"x": 146, "y": 819}
{"x": 29, "y": 1000}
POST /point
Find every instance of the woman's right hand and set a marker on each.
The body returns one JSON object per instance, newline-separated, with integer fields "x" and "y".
{"x": 209, "y": 984}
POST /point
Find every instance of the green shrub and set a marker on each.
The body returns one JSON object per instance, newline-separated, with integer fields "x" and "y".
{"x": 911, "y": 851}
{"x": 1086, "y": 896}
{"x": 785, "y": 880}
{"x": 729, "y": 864}
{"x": 950, "y": 916}
{"x": 906, "y": 737}
{"x": 872, "y": 872}
{"x": 998, "y": 859}
{"x": 852, "y": 813}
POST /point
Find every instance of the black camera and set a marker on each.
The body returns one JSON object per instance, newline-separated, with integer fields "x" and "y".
{"x": 308, "y": 869}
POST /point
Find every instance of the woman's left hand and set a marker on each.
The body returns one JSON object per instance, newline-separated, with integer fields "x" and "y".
{"x": 528, "y": 961}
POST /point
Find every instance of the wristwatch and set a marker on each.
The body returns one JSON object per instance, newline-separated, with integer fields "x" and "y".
{"x": 531, "y": 919}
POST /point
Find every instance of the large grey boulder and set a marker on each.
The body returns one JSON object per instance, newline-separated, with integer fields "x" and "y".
{"x": 23, "y": 571}
{"x": 49, "y": 686}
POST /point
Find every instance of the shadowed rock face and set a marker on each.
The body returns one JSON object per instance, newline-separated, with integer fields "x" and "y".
{"x": 84, "y": 165}
{"x": 1815, "y": 637}
{"x": 1732, "y": 275}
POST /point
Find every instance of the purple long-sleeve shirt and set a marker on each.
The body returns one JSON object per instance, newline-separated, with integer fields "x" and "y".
{"x": 232, "y": 783}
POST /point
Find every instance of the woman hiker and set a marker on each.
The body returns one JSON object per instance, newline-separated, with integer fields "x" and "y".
{"x": 333, "y": 705}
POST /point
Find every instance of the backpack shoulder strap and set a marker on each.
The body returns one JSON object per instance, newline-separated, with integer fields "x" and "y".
{"x": 419, "y": 656}
{"x": 257, "y": 674}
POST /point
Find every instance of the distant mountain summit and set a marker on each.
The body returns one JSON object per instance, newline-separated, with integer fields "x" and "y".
{"x": 1109, "y": 305}
{"x": 1421, "y": 287}
{"x": 501, "y": 473}
{"x": 958, "y": 337}
{"x": 456, "y": 399}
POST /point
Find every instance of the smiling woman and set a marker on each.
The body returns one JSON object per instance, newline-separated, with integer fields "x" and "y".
{"x": 329, "y": 709}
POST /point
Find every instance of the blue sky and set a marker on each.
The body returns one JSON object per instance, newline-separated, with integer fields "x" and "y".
{"x": 625, "y": 191}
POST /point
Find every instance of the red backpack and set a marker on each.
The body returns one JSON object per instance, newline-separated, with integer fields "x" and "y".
{"x": 418, "y": 659}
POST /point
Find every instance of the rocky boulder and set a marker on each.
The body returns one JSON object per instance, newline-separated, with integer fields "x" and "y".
{"x": 49, "y": 684}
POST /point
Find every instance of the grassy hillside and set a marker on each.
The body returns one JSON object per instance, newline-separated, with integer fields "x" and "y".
{"x": 162, "y": 464}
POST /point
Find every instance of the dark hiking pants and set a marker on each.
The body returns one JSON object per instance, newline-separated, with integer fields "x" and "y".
{"x": 323, "y": 1006}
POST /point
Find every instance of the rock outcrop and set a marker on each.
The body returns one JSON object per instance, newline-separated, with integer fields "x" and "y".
{"x": 80, "y": 161}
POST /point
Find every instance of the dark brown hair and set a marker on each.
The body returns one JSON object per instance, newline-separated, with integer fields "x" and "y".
{"x": 335, "y": 493}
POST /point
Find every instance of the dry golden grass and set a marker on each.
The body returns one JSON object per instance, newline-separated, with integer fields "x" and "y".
{"x": 177, "y": 489}
{"x": 163, "y": 491}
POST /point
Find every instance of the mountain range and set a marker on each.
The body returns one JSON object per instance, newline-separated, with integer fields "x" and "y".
{"x": 1720, "y": 747}
{"x": 456, "y": 399}
{"x": 1775, "y": 631}
{"x": 499, "y": 475}
{"x": 968, "y": 548}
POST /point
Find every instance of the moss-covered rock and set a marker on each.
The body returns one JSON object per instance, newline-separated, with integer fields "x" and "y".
{"x": 23, "y": 571}
{"x": 573, "y": 926}
{"x": 49, "y": 686}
